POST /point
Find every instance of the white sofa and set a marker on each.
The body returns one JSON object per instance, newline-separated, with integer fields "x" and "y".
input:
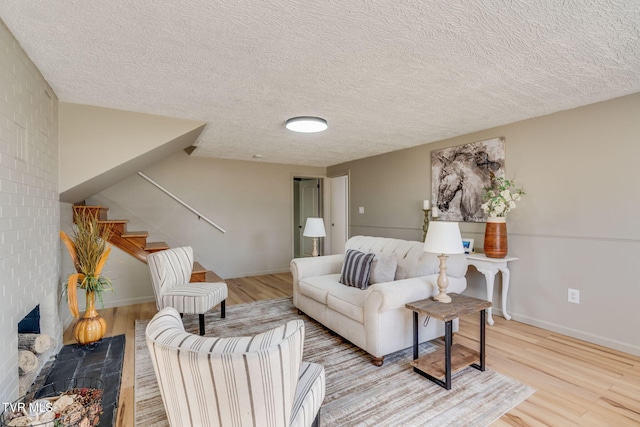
{"x": 375, "y": 319}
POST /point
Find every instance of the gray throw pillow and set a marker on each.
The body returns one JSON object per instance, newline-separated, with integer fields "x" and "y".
{"x": 356, "y": 269}
{"x": 383, "y": 269}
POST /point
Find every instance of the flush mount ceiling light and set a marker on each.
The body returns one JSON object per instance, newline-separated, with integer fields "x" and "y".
{"x": 306, "y": 124}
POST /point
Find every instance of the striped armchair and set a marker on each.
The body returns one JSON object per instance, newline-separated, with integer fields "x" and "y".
{"x": 170, "y": 275}
{"x": 239, "y": 381}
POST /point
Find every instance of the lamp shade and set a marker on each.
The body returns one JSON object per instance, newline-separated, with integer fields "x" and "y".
{"x": 443, "y": 238}
{"x": 315, "y": 228}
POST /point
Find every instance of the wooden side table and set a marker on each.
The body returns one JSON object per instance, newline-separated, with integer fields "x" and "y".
{"x": 439, "y": 365}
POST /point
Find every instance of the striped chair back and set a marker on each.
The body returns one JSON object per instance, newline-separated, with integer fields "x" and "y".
{"x": 169, "y": 268}
{"x": 239, "y": 381}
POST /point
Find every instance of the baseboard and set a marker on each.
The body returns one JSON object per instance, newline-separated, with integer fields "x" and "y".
{"x": 581, "y": 335}
{"x": 257, "y": 273}
{"x": 113, "y": 303}
{"x": 129, "y": 301}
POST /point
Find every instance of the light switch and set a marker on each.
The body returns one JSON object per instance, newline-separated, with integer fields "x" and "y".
{"x": 361, "y": 209}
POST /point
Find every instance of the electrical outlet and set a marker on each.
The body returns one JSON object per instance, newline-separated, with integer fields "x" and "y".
{"x": 574, "y": 296}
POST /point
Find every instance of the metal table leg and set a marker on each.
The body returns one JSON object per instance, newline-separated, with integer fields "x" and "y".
{"x": 483, "y": 328}
{"x": 415, "y": 335}
{"x": 448, "y": 338}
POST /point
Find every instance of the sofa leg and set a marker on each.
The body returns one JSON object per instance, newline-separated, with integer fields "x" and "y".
{"x": 377, "y": 361}
{"x": 223, "y": 309}
{"x": 201, "y": 318}
{"x": 300, "y": 312}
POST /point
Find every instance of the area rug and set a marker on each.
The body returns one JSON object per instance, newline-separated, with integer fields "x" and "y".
{"x": 357, "y": 392}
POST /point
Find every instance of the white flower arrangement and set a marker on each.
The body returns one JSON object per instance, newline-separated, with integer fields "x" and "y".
{"x": 501, "y": 198}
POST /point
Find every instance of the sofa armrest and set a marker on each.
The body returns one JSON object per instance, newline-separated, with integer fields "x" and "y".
{"x": 301, "y": 268}
{"x": 393, "y": 295}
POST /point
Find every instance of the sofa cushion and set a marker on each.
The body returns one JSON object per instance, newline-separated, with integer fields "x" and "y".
{"x": 417, "y": 263}
{"x": 383, "y": 269}
{"x": 348, "y": 301}
{"x": 317, "y": 288}
{"x": 356, "y": 269}
{"x": 412, "y": 260}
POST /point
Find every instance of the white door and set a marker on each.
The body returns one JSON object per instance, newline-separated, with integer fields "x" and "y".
{"x": 309, "y": 207}
{"x": 339, "y": 213}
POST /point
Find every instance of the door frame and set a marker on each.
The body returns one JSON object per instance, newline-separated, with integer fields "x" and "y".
{"x": 322, "y": 207}
{"x": 346, "y": 173}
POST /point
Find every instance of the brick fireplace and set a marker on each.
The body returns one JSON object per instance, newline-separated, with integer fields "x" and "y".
{"x": 50, "y": 323}
{"x": 37, "y": 349}
{"x": 29, "y": 206}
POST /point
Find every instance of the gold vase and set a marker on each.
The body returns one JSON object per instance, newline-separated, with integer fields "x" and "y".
{"x": 91, "y": 327}
{"x": 496, "y": 244}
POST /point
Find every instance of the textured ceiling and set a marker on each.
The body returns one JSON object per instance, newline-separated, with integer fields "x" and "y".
{"x": 385, "y": 74}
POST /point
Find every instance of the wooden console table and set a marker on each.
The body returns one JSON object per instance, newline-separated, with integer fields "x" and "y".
{"x": 490, "y": 267}
{"x": 440, "y": 364}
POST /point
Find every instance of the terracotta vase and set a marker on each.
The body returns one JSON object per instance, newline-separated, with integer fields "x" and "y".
{"x": 91, "y": 327}
{"x": 495, "y": 238}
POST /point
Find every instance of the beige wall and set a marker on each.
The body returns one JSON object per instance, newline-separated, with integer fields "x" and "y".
{"x": 576, "y": 228}
{"x": 252, "y": 201}
{"x": 98, "y": 146}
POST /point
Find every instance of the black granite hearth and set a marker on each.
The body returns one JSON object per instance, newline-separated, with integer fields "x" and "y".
{"x": 98, "y": 360}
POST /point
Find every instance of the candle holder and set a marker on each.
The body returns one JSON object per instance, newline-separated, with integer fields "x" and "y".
{"x": 425, "y": 225}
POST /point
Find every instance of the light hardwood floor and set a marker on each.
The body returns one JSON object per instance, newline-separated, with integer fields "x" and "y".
{"x": 577, "y": 383}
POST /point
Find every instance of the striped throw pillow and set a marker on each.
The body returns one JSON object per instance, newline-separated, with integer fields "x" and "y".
{"x": 356, "y": 269}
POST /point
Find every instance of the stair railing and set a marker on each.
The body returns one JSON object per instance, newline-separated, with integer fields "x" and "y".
{"x": 177, "y": 199}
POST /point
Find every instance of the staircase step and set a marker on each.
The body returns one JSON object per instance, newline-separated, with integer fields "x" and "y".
{"x": 198, "y": 268}
{"x": 129, "y": 246}
{"x": 100, "y": 211}
{"x": 212, "y": 277}
{"x": 134, "y": 234}
{"x": 201, "y": 274}
{"x": 198, "y": 274}
{"x": 118, "y": 226}
{"x": 135, "y": 242}
{"x": 156, "y": 247}
{"x": 138, "y": 238}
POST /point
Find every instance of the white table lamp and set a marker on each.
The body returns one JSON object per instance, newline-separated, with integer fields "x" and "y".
{"x": 443, "y": 238}
{"x": 314, "y": 228}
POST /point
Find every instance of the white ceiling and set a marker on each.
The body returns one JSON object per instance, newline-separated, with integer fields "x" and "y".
{"x": 385, "y": 74}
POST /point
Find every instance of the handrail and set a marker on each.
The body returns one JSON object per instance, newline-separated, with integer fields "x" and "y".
{"x": 173, "y": 196}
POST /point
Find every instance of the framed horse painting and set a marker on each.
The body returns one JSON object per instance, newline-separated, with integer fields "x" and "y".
{"x": 459, "y": 175}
